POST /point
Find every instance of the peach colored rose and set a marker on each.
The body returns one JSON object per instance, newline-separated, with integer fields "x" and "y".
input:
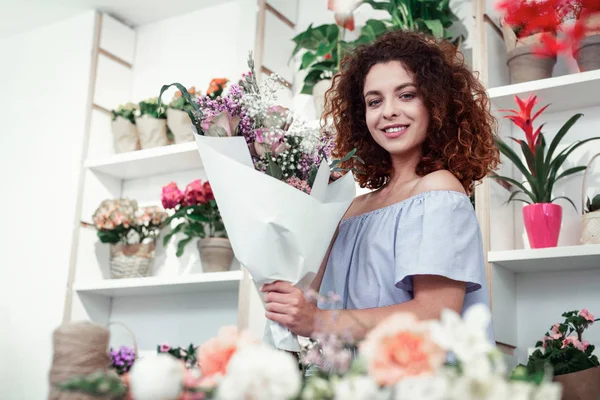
{"x": 401, "y": 346}
{"x": 214, "y": 355}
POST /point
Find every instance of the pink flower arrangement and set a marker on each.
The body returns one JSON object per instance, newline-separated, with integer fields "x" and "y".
{"x": 401, "y": 347}
{"x": 587, "y": 315}
{"x": 195, "y": 211}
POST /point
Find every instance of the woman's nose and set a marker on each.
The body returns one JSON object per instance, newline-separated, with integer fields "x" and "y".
{"x": 390, "y": 110}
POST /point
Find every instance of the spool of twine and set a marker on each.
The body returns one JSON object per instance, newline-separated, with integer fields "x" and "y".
{"x": 79, "y": 348}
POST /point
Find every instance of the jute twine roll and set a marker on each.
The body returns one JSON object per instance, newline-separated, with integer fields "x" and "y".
{"x": 79, "y": 348}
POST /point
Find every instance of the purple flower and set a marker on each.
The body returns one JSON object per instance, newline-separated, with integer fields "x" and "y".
{"x": 122, "y": 359}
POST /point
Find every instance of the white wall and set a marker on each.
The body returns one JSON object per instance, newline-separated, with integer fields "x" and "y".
{"x": 194, "y": 48}
{"x": 46, "y": 73}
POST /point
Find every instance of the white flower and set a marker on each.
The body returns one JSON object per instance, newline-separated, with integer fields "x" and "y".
{"x": 260, "y": 372}
{"x": 317, "y": 388}
{"x": 520, "y": 390}
{"x": 548, "y": 391}
{"x": 158, "y": 377}
{"x": 358, "y": 388}
{"x": 423, "y": 387}
{"x": 133, "y": 237}
{"x": 466, "y": 338}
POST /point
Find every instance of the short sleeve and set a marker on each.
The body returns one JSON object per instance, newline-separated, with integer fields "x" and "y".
{"x": 438, "y": 234}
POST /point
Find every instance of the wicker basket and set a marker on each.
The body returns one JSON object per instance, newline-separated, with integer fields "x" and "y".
{"x": 131, "y": 260}
{"x": 590, "y": 222}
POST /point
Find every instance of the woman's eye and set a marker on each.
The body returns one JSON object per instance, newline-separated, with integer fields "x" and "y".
{"x": 374, "y": 102}
{"x": 407, "y": 96}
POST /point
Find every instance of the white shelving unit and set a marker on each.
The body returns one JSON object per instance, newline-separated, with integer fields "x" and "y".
{"x": 531, "y": 288}
{"x": 554, "y": 259}
{"x": 148, "y": 162}
{"x": 157, "y": 286}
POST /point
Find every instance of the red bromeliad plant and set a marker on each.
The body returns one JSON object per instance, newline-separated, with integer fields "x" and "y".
{"x": 542, "y": 166}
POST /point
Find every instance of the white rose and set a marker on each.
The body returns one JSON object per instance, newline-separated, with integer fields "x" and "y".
{"x": 358, "y": 388}
{"x": 260, "y": 372}
{"x": 158, "y": 377}
{"x": 422, "y": 387}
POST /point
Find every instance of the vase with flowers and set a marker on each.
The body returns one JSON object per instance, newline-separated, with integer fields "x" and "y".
{"x": 178, "y": 120}
{"x": 151, "y": 121}
{"x": 131, "y": 233}
{"x": 196, "y": 215}
{"x": 124, "y": 130}
{"x": 571, "y": 358}
{"x": 541, "y": 169}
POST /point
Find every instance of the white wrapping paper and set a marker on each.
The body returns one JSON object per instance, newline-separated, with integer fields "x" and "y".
{"x": 277, "y": 232}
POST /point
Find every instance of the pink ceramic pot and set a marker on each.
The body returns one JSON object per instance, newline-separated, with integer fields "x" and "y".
{"x": 542, "y": 223}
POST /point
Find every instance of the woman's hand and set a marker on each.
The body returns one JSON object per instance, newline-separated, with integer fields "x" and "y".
{"x": 287, "y": 305}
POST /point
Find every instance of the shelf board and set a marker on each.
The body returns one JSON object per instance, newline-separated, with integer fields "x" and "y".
{"x": 568, "y": 92}
{"x": 141, "y": 163}
{"x": 159, "y": 285}
{"x": 553, "y": 259}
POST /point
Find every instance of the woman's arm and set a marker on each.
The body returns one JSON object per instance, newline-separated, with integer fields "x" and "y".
{"x": 287, "y": 305}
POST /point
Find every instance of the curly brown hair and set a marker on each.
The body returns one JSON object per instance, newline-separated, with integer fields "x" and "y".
{"x": 460, "y": 138}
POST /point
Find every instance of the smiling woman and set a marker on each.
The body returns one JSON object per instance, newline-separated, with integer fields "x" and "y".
{"x": 421, "y": 122}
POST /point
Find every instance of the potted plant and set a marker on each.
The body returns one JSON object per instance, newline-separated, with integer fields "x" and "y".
{"x": 586, "y": 50}
{"x": 541, "y": 169}
{"x": 125, "y": 134}
{"x": 152, "y": 124}
{"x": 590, "y": 221}
{"x": 178, "y": 120}
{"x": 529, "y": 29}
{"x": 131, "y": 233}
{"x": 197, "y": 216}
{"x": 570, "y": 357}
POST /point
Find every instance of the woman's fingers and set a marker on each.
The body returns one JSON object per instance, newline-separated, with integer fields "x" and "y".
{"x": 334, "y": 176}
{"x": 278, "y": 286}
{"x": 274, "y": 297}
{"x": 279, "y": 308}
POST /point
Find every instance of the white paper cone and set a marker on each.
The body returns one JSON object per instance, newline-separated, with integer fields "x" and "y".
{"x": 277, "y": 232}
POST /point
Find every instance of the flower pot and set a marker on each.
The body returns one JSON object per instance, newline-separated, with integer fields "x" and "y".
{"x": 587, "y": 53}
{"x": 131, "y": 260}
{"x": 523, "y": 64}
{"x": 152, "y": 131}
{"x": 216, "y": 254}
{"x": 180, "y": 124}
{"x": 125, "y": 135}
{"x": 319, "y": 90}
{"x": 582, "y": 385}
{"x": 590, "y": 228}
{"x": 542, "y": 223}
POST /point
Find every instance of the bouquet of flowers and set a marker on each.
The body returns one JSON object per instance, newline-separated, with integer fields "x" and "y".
{"x": 254, "y": 150}
{"x": 196, "y": 213}
{"x": 121, "y": 221}
{"x": 122, "y": 359}
{"x": 402, "y": 359}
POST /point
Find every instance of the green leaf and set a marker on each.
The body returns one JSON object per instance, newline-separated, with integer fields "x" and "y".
{"x": 383, "y": 5}
{"x": 514, "y": 194}
{"x": 435, "y": 26}
{"x": 191, "y": 102}
{"x": 561, "y": 133}
{"x": 517, "y": 184}
{"x": 512, "y": 156}
{"x": 540, "y": 171}
{"x": 307, "y": 59}
{"x": 566, "y": 198}
{"x": 181, "y": 245}
{"x": 274, "y": 170}
{"x": 198, "y": 217}
{"x": 174, "y": 231}
{"x": 570, "y": 171}
{"x": 108, "y": 237}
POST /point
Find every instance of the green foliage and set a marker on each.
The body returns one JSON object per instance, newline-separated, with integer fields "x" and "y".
{"x": 592, "y": 205}
{"x": 324, "y": 46}
{"x": 100, "y": 383}
{"x": 127, "y": 111}
{"x": 152, "y": 108}
{"x": 197, "y": 221}
{"x": 187, "y": 355}
{"x": 191, "y": 107}
{"x": 542, "y": 166}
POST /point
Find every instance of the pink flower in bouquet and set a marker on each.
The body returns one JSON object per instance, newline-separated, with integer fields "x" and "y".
{"x": 575, "y": 342}
{"x": 277, "y": 117}
{"x": 221, "y": 124}
{"x": 587, "y": 315}
{"x": 215, "y": 354}
{"x": 194, "y": 193}
{"x": 208, "y": 193}
{"x": 401, "y": 346}
{"x": 299, "y": 184}
{"x": 171, "y": 195}
{"x": 555, "y": 332}
{"x": 270, "y": 141}
{"x": 164, "y": 348}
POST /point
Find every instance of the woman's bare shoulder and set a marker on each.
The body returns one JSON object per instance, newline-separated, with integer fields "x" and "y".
{"x": 438, "y": 180}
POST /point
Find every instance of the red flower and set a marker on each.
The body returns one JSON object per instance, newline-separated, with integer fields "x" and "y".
{"x": 524, "y": 120}
{"x": 328, "y": 56}
{"x": 171, "y": 195}
{"x": 208, "y": 193}
{"x": 194, "y": 193}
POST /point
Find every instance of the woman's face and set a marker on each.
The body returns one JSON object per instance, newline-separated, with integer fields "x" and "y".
{"x": 395, "y": 113}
